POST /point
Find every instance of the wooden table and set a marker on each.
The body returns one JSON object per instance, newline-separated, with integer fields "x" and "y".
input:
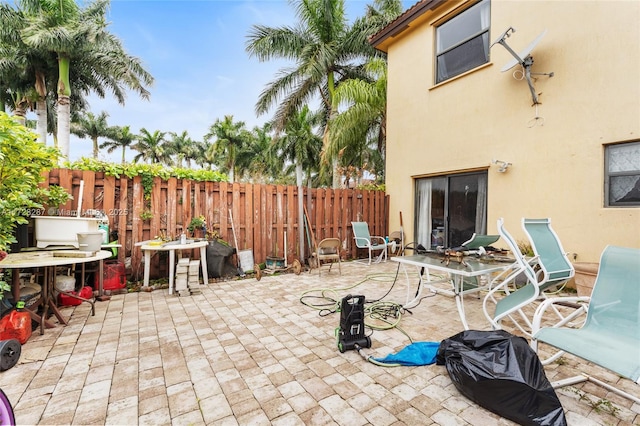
{"x": 171, "y": 247}
{"x": 456, "y": 273}
{"x": 47, "y": 260}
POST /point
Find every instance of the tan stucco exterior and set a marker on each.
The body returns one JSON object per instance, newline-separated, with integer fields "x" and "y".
{"x": 593, "y": 99}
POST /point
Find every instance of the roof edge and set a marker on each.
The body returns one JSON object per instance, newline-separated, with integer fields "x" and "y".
{"x": 402, "y": 22}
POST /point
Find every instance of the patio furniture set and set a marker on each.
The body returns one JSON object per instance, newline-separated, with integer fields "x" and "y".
{"x": 609, "y": 336}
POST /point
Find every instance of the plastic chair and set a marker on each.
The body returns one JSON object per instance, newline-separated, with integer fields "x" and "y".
{"x": 553, "y": 267}
{"x": 513, "y": 301}
{"x": 328, "y": 250}
{"x": 479, "y": 242}
{"x": 367, "y": 242}
{"x": 610, "y": 336}
{"x": 553, "y": 261}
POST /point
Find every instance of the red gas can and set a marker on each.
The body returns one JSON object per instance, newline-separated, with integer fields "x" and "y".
{"x": 16, "y": 325}
{"x": 85, "y": 292}
{"x": 114, "y": 278}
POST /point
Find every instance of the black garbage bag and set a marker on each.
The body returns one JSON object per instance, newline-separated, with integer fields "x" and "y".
{"x": 500, "y": 372}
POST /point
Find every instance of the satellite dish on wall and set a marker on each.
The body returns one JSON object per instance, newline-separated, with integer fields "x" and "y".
{"x": 524, "y": 58}
{"x": 521, "y": 57}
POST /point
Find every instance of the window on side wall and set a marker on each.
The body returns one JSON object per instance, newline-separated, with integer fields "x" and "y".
{"x": 622, "y": 175}
{"x": 462, "y": 43}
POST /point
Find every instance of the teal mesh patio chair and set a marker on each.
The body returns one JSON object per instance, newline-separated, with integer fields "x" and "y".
{"x": 515, "y": 298}
{"x": 368, "y": 242}
{"x": 548, "y": 269}
{"x": 479, "y": 242}
{"x": 554, "y": 264}
{"x": 610, "y": 336}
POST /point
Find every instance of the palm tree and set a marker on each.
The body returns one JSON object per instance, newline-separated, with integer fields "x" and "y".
{"x": 230, "y": 137}
{"x": 151, "y": 146}
{"x": 300, "y": 145}
{"x": 362, "y": 124}
{"x": 79, "y": 36}
{"x": 118, "y": 137}
{"x": 325, "y": 50}
{"x": 253, "y": 160}
{"x": 183, "y": 147}
{"x": 24, "y": 69}
{"x": 94, "y": 127}
{"x": 324, "y": 47}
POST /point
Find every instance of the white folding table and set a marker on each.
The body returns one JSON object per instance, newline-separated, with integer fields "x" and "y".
{"x": 171, "y": 247}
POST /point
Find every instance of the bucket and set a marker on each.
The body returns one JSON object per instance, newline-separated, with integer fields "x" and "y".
{"x": 65, "y": 283}
{"x": 246, "y": 260}
{"x": 90, "y": 241}
{"x": 273, "y": 262}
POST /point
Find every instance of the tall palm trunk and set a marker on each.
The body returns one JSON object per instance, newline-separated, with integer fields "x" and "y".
{"x": 64, "y": 107}
{"x": 20, "y": 109}
{"x": 95, "y": 147}
{"x": 41, "y": 107}
{"x": 41, "y": 116}
{"x": 333, "y": 111}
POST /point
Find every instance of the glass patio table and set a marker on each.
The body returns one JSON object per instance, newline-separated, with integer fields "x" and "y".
{"x": 456, "y": 273}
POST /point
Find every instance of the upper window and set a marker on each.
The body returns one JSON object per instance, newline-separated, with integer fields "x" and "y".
{"x": 462, "y": 43}
{"x": 622, "y": 174}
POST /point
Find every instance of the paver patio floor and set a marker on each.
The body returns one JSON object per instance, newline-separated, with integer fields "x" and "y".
{"x": 249, "y": 352}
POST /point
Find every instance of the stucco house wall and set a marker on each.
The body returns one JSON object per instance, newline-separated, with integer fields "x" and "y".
{"x": 557, "y": 171}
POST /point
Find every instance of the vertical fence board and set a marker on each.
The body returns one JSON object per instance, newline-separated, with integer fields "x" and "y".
{"x": 172, "y": 207}
{"x": 65, "y": 179}
{"x": 88, "y": 192}
{"x": 224, "y": 212}
{"x": 248, "y": 216}
{"x": 109, "y": 200}
{"x": 137, "y": 222}
{"x": 124, "y": 212}
{"x": 289, "y": 221}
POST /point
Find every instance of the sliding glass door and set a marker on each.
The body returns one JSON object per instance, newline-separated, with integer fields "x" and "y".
{"x": 449, "y": 209}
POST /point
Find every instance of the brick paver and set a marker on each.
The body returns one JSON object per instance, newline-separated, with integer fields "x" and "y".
{"x": 247, "y": 352}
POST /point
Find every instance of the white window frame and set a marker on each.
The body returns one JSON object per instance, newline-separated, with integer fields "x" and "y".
{"x": 627, "y": 170}
{"x": 443, "y": 46}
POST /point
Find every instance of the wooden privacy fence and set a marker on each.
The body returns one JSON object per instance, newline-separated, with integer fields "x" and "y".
{"x": 263, "y": 215}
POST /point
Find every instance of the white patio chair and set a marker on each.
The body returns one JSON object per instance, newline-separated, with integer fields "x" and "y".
{"x": 368, "y": 242}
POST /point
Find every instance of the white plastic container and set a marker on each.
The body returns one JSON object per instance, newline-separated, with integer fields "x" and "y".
{"x": 64, "y": 283}
{"x": 90, "y": 241}
{"x": 61, "y": 230}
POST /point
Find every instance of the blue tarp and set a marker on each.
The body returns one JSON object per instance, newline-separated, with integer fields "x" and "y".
{"x": 418, "y": 353}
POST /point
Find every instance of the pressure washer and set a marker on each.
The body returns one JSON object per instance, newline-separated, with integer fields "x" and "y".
{"x": 350, "y": 335}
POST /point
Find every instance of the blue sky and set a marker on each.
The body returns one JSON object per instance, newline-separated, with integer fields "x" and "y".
{"x": 195, "y": 50}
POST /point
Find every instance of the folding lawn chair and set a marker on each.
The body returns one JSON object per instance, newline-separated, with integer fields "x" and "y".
{"x": 328, "y": 250}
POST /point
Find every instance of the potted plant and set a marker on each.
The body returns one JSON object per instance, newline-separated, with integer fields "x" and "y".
{"x": 198, "y": 225}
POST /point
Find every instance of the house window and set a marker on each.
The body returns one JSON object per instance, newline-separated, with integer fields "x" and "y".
{"x": 622, "y": 175}
{"x": 462, "y": 43}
